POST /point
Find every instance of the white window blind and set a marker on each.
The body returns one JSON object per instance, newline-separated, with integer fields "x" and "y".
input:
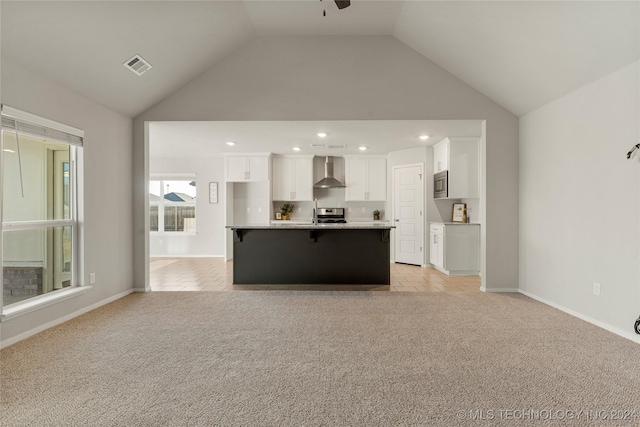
{"x": 18, "y": 121}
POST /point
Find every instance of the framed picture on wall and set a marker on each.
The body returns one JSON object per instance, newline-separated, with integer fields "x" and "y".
{"x": 213, "y": 192}
{"x": 459, "y": 212}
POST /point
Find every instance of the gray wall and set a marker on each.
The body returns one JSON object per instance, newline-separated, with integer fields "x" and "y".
{"x": 580, "y": 201}
{"x": 346, "y": 78}
{"x": 107, "y": 189}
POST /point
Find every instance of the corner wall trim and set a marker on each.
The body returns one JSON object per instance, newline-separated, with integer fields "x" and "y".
{"x": 34, "y": 331}
{"x": 617, "y": 331}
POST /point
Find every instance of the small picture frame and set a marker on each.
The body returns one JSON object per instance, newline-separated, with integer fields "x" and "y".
{"x": 213, "y": 192}
{"x": 278, "y": 215}
{"x": 459, "y": 212}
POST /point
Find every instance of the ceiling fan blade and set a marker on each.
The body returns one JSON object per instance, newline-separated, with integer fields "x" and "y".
{"x": 343, "y": 3}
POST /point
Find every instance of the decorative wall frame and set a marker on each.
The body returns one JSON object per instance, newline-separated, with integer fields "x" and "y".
{"x": 213, "y": 192}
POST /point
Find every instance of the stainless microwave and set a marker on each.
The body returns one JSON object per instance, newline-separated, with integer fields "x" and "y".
{"x": 441, "y": 185}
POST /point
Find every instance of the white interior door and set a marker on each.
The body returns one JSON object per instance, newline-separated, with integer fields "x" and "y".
{"x": 408, "y": 214}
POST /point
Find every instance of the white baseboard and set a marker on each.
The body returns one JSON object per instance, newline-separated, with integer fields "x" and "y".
{"x": 141, "y": 289}
{"x": 24, "y": 335}
{"x": 628, "y": 335}
{"x": 499, "y": 290}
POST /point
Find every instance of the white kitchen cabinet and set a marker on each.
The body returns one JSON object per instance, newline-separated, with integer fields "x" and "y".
{"x": 293, "y": 178}
{"x": 455, "y": 248}
{"x": 441, "y": 156}
{"x": 436, "y": 252}
{"x": 247, "y": 168}
{"x": 365, "y": 178}
{"x": 459, "y": 156}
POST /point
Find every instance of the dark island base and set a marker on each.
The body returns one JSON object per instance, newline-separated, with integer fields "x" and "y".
{"x": 268, "y": 256}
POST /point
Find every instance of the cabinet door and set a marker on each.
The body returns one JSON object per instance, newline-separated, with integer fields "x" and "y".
{"x": 463, "y": 169}
{"x": 441, "y": 157}
{"x": 440, "y": 251}
{"x": 356, "y": 179}
{"x": 302, "y": 179}
{"x": 433, "y": 249}
{"x": 377, "y": 180}
{"x": 282, "y": 179}
{"x": 258, "y": 168}
{"x": 236, "y": 169}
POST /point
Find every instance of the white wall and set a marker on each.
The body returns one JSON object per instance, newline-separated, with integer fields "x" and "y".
{"x": 580, "y": 201}
{"x": 347, "y": 78}
{"x": 107, "y": 190}
{"x": 209, "y": 238}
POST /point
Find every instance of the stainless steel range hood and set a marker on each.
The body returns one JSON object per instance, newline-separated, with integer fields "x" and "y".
{"x": 328, "y": 181}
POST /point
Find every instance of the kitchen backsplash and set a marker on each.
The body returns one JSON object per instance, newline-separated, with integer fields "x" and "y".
{"x": 334, "y": 198}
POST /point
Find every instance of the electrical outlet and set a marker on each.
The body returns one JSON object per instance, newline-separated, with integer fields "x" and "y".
{"x": 299, "y": 210}
{"x": 259, "y": 210}
{"x": 92, "y": 278}
{"x": 596, "y": 288}
{"x": 248, "y": 210}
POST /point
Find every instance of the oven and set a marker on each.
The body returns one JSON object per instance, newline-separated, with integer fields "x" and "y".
{"x": 331, "y": 216}
{"x": 441, "y": 185}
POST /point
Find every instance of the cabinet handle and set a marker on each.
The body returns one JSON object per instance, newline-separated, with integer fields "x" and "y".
{"x": 435, "y": 238}
{"x": 292, "y": 195}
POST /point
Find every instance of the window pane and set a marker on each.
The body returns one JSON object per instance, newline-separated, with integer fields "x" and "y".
{"x": 154, "y": 191}
{"x": 180, "y": 191}
{"x": 179, "y": 218}
{"x": 153, "y": 218}
{"x": 37, "y": 179}
{"x": 36, "y": 262}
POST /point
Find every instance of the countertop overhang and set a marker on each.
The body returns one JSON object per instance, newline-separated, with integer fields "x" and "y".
{"x": 310, "y": 226}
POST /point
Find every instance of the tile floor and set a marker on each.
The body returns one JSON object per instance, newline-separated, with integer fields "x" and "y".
{"x": 213, "y": 274}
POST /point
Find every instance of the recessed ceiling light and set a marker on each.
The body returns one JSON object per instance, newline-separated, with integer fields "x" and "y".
{"x": 6, "y": 150}
{"x": 362, "y": 148}
{"x": 322, "y": 134}
{"x": 424, "y": 137}
{"x": 297, "y": 148}
{"x": 230, "y": 143}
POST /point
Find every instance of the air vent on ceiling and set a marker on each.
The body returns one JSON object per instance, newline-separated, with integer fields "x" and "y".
{"x": 318, "y": 145}
{"x": 337, "y": 146}
{"x": 138, "y": 65}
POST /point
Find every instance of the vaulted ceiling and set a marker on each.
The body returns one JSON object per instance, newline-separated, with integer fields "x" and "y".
{"x": 521, "y": 54}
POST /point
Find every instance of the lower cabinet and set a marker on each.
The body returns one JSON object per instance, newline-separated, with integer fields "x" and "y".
{"x": 455, "y": 248}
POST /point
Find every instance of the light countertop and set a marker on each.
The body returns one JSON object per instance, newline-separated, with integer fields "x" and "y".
{"x": 287, "y": 225}
{"x": 454, "y": 223}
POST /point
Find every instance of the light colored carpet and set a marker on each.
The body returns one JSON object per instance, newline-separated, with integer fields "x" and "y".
{"x": 319, "y": 358}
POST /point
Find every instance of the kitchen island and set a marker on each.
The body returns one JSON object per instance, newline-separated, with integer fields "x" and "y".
{"x": 282, "y": 253}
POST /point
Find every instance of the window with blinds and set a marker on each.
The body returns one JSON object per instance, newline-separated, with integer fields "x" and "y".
{"x": 39, "y": 206}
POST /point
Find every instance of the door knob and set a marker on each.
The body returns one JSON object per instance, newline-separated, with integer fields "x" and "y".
{"x": 397, "y": 220}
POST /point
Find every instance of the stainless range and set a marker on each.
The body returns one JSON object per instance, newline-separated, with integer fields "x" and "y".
{"x": 331, "y": 216}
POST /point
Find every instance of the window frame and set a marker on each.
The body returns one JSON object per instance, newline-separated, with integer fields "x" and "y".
{"x": 161, "y": 203}
{"x": 75, "y": 143}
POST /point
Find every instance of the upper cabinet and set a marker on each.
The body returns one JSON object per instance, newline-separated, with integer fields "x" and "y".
{"x": 365, "y": 178}
{"x": 247, "y": 167}
{"x": 459, "y": 156}
{"x": 441, "y": 156}
{"x": 293, "y": 178}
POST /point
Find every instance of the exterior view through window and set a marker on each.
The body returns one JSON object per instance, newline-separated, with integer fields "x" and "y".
{"x": 39, "y": 231}
{"x": 172, "y": 205}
